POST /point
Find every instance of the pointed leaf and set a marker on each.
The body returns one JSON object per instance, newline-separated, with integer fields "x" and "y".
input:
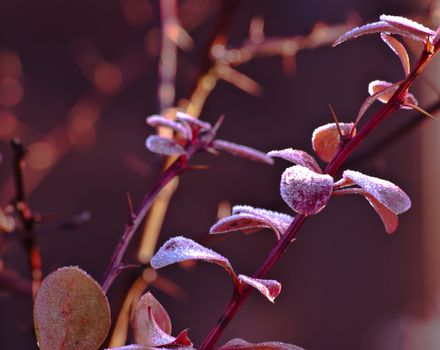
{"x": 387, "y": 193}
{"x": 297, "y": 157}
{"x": 279, "y": 220}
{"x": 413, "y": 28}
{"x": 178, "y": 249}
{"x": 247, "y": 223}
{"x": 152, "y": 334}
{"x": 194, "y": 122}
{"x": 270, "y": 345}
{"x": 269, "y": 288}
{"x": 305, "y": 191}
{"x": 241, "y": 151}
{"x": 162, "y": 145}
{"x": 157, "y": 121}
{"x": 377, "y": 27}
{"x": 142, "y": 319}
{"x": 398, "y": 49}
{"x": 70, "y": 311}
{"x": 326, "y": 138}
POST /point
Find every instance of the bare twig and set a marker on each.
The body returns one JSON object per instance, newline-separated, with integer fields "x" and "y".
{"x": 22, "y": 207}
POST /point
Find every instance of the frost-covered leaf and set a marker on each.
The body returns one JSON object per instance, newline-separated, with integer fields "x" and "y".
{"x": 326, "y": 138}
{"x": 297, "y": 157}
{"x": 409, "y": 26}
{"x": 247, "y": 223}
{"x": 382, "y": 91}
{"x": 238, "y": 343}
{"x": 194, "y": 122}
{"x": 157, "y": 121}
{"x": 241, "y": 151}
{"x": 377, "y": 27}
{"x": 142, "y": 319}
{"x": 269, "y": 288}
{"x": 387, "y": 193}
{"x": 146, "y": 347}
{"x": 398, "y": 49}
{"x": 304, "y": 190}
{"x": 178, "y": 249}
{"x": 280, "y": 220}
{"x": 71, "y": 311}
{"x": 164, "y": 146}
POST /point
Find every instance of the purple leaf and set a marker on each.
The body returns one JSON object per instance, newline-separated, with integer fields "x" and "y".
{"x": 147, "y": 310}
{"x": 409, "y": 26}
{"x": 238, "y": 343}
{"x": 387, "y": 193}
{"x": 280, "y": 220}
{"x": 158, "y": 121}
{"x": 389, "y": 219}
{"x": 247, "y": 223}
{"x": 297, "y": 157}
{"x": 326, "y": 138}
{"x": 193, "y": 122}
{"x": 178, "y": 249}
{"x": 305, "y": 191}
{"x": 398, "y": 49}
{"x": 162, "y": 145}
{"x": 241, "y": 151}
{"x": 269, "y": 288}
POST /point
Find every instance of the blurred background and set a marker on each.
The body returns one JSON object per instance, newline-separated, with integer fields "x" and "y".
{"x": 77, "y": 80}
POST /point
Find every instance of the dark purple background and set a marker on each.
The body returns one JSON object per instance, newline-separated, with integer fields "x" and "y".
{"x": 344, "y": 279}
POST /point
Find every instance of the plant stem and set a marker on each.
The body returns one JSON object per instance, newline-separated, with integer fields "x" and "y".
{"x": 346, "y": 149}
{"x": 135, "y": 219}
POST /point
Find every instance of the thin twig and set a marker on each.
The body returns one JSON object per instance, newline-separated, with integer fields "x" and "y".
{"x": 27, "y": 218}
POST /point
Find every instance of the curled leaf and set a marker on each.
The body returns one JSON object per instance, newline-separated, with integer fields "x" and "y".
{"x": 305, "y": 191}
{"x": 297, "y": 157}
{"x": 247, "y": 223}
{"x": 157, "y": 120}
{"x": 269, "y": 288}
{"x": 387, "y": 193}
{"x": 164, "y": 146}
{"x": 280, "y": 220}
{"x": 398, "y": 49}
{"x": 326, "y": 139}
{"x": 178, "y": 249}
{"x": 238, "y": 343}
{"x": 241, "y": 151}
{"x": 70, "y": 311}
{"x": 193, "y": 122}
{"x": 142, "y": 321}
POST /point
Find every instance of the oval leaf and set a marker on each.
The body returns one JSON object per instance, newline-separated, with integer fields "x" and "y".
{"x": 178, "y": 249}
{"x": 326, "y": 138}
{"x": 270, "y": 345}
{"x": 297, "y": 157}
{"x": 387, "y": 193}
{"x": 241, "y": 151}
{"x": 71, "y": 311}
{"x": 269, "y": 288}
{"x": 164, "y": 146}
{"x": 142, "y": 319}
{"x": 305, "y": 191}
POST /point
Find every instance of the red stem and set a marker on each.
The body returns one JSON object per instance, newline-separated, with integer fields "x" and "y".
{"x": 136, "y": 218}
{"x": 240, "y": 296}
